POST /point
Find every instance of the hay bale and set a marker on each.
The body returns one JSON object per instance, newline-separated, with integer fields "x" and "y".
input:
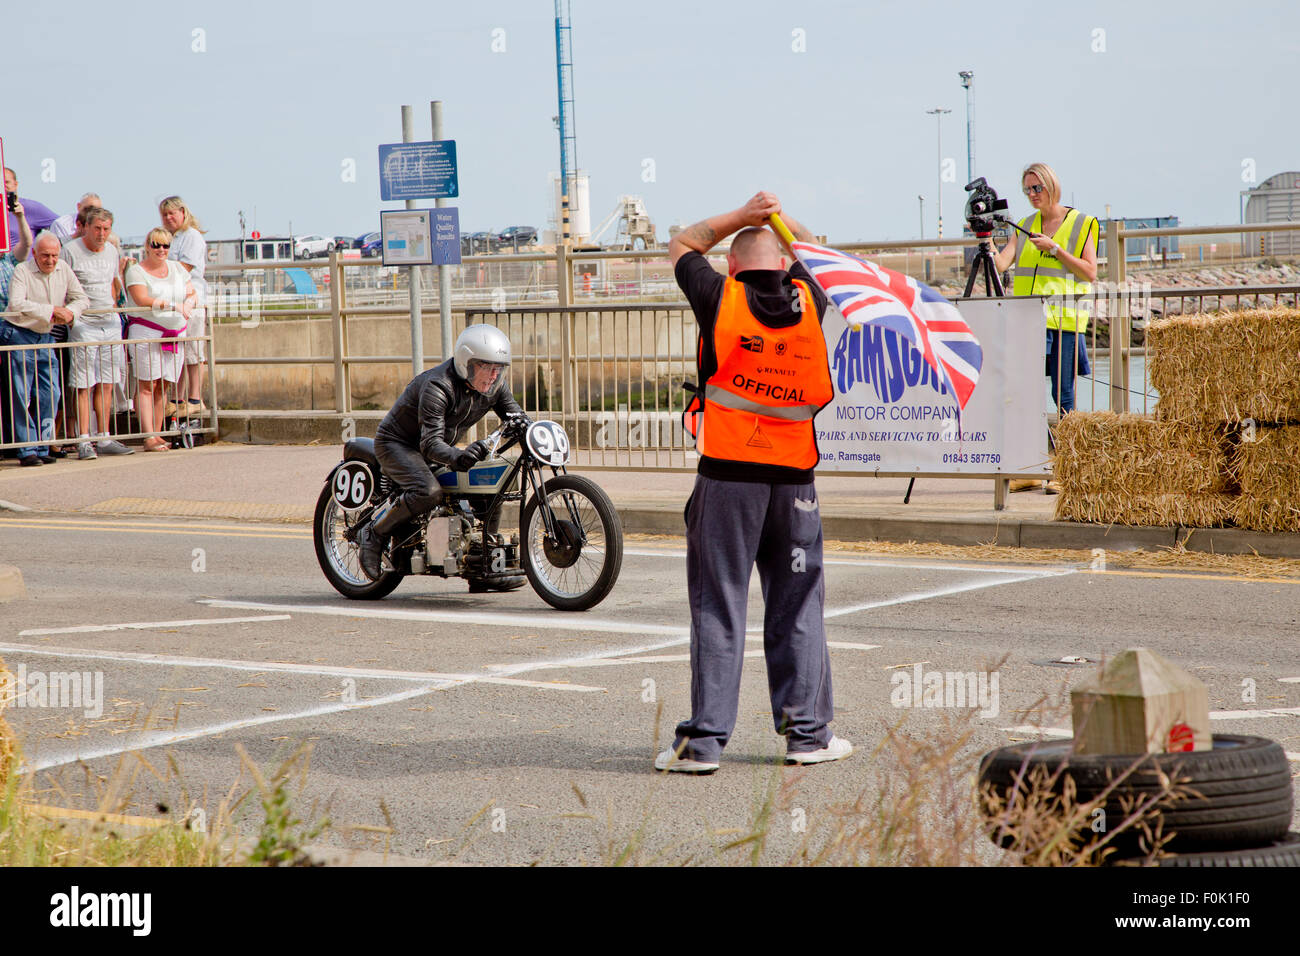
{"x": 8, "y": 742}
{"x": 1228, "y": 367}
{"x": 1266, "y": 465}
{"x": 1162, "y": 511}
{"x": 1129, "y": 469}
{"x": 1105, "y": 452}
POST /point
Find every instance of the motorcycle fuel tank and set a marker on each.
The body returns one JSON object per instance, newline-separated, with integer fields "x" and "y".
{"x": 483, "y": 478}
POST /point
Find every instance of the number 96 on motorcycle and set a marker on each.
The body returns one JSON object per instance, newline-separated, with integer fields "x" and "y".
{"x": 353, "y": 485}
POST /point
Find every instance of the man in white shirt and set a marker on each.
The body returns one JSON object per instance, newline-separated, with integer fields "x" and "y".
{"x": 93, "y": 370}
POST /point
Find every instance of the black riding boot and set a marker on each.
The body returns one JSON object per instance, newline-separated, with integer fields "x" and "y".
{"x": 372, "y": 536}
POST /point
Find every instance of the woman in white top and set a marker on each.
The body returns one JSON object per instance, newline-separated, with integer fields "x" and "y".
{"x": 191, "y": 251}
{"x": 163, "y": 288}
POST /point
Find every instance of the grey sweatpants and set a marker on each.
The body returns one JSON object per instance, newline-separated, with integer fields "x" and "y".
{"x": 730, "y": 526}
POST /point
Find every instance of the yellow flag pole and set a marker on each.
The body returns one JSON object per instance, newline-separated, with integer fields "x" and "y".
{"x": 781, "y": 229}
{"x": 786, "y": 236}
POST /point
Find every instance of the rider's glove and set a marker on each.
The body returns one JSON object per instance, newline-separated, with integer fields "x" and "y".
{"x": 473, "y": 454}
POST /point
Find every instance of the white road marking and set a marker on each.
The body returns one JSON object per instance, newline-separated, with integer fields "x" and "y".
{"x": 1034, "y": 730}
{"x": 572, "y": 623}
{"x": 850, "y": 646}
{"x": 942, "y": 592}
{"x": 1289, "y": 680}
{"x": 148, "y": 625}
{"x": 886, "y": 563}
{"x": 162, "y": 739}
{"x": 132, "y": 657}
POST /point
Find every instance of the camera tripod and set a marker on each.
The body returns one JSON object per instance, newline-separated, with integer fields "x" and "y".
{"x": 983, "y": 263}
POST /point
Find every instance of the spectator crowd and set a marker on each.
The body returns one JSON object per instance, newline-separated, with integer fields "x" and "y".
{"x": 92, "y": 333}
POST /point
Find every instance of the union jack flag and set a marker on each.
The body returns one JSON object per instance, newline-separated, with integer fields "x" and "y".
{"x": 868, "y": 294}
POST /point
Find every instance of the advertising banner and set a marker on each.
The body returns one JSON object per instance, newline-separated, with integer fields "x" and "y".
{"x": 890, "y": 413}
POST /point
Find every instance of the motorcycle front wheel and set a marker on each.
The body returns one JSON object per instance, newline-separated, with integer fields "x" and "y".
{"x": 576, "y": 568}
{"x": 340, "y": 558}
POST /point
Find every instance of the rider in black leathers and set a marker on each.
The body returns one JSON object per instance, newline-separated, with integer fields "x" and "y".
{"x": 433, "y": 413}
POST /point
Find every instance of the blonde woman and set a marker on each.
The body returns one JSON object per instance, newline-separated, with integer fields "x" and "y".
{"x": 191, "y": 251}
{"x": 1057, "y": 260}
{"x": 164, "y": 298}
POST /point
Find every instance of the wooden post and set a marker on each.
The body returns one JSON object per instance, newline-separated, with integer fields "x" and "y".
{"x": 1140, "y": 703}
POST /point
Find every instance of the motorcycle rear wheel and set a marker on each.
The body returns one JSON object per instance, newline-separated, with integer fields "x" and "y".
{"x": 340, "y": 558}
{"x": 572, "y": 574}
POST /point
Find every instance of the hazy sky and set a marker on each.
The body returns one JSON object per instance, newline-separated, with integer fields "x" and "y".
{"x": 1156, "y": 108}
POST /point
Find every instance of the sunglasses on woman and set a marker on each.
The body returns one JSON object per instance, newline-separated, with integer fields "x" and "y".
{"x": 160, "y": 245}
{"x": 1034, "y": 190}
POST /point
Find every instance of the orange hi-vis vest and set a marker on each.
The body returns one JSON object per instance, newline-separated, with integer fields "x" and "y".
{"x": 770, "y": 383}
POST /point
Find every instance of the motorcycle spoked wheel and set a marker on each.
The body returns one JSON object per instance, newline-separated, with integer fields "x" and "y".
{"x": 340, "y": 558}
{"x": 566, "y": 572}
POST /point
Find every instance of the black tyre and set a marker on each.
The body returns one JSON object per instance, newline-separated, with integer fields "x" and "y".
{"x": 576, "y": 569}
{"x": 1283, "y": 853}
{"x": 340, "y": 558}
{"x": 1239, "y": 794}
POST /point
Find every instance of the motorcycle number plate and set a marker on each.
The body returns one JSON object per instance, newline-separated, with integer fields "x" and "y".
{"x": 548, "y": 442}
{"x": 353, "y": 485}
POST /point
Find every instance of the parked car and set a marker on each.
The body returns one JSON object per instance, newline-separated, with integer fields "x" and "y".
{"x": 477, "y": 243}
{"x": 342, "y": 242}
{"x": 308, "y": 247}
{"x": 516, "y": 236}
{"x": 370, "y": 244}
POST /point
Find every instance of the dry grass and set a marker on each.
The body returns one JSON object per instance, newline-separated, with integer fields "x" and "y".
{"x": 1267, "y": 469}
{"x": 8, "y": 742}
{"x": 1227, "y": 368}
{"x": 1139, "y": 510}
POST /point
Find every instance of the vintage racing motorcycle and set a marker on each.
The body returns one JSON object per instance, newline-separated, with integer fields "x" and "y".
{"x": 570, "y": 541}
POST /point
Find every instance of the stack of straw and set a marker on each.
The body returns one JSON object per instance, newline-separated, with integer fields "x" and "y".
{"x": 8, "y": 743}
{"x": 1225, "y": 445}
{"x": 1266, "y": 465}
{"x": 1128, "y": 469}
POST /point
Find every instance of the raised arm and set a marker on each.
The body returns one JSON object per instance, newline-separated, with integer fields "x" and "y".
{"x": 707, "y": 233}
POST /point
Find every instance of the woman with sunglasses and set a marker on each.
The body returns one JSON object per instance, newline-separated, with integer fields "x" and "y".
{"x": 161, "y": 290}
{"x": 1057, "y": 260}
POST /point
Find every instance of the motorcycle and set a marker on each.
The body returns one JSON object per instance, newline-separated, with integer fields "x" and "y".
{"x": 572, "y": 541}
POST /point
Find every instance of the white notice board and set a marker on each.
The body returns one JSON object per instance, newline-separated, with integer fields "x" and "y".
{"x": 890, "y": 413}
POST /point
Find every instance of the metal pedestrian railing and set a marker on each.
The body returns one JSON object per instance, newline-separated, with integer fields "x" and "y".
{"x": 40, "y": 405}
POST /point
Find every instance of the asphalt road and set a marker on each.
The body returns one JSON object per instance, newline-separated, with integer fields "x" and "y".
{"x": 491, "y": 729}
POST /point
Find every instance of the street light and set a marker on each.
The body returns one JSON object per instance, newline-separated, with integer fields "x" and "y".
{"x": 938, "y": 124}
{"x": 921, "y": 199}
{"x": 966, "y": 77}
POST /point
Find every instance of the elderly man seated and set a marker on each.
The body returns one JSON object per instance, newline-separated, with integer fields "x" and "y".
{"x": 45, "y": 292}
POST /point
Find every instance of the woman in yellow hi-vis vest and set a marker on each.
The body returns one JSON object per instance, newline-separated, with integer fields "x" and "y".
{"x": 1059, "y": 260}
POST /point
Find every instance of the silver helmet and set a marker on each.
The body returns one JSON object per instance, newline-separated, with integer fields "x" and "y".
{"x": 484, "y": 344}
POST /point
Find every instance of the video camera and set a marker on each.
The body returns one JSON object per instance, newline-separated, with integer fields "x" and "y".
{"x": 983, "y": 209}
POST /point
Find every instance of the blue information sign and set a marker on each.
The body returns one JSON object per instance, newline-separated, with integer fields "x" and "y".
{"x": 418, "y": 170}
{"x": 446, "y": 236}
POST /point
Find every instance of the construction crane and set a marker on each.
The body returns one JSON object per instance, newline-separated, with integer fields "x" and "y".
{"x": 564, "y": 121}
{"x": 633, "y": 224}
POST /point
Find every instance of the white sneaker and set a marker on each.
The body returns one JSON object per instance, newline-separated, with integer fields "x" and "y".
{"x": 837, "y": 749}
{"x": 85, "y": 451}
{"x": 669, "y": 762}
{"x": 109, "y": 446}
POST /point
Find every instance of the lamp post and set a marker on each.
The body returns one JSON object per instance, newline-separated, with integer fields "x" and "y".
{"x": 967, "y": 76}
{"x": 921, "y": 201}
{"x": 938, "y": 124}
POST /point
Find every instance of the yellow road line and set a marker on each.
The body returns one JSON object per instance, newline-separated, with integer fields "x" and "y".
{"x": 107, "y": 520}
{"x": 68, "y": 813}
{"x": 1191, "y": 575}
{"x": 136, "y": 530}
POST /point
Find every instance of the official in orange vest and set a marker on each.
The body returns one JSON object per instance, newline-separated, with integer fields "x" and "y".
{"x": 763, "y": 376}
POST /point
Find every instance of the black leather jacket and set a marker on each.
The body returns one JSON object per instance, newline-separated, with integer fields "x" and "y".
{"x": 436, "y": 409}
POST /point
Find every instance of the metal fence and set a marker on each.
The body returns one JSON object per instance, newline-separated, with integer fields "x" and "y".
{"x": 41, "y": 406}
{"x": 606, "y": 349}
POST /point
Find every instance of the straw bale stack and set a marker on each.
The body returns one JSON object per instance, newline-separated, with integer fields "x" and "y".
{"x": 1227, "y": 368}
{"x": 1267, "y": 468}
{"x": 8, "y": 742}
{"x": 1128, "y": 469}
